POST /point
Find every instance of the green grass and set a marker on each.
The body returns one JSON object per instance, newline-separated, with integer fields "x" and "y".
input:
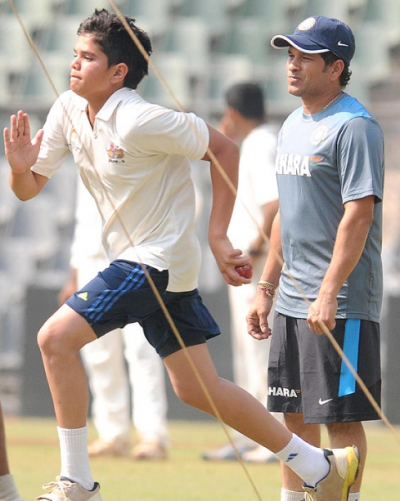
{"x": 34, "y": 459}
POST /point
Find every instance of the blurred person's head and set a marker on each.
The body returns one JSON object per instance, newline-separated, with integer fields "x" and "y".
{"x": 244, "y": 109}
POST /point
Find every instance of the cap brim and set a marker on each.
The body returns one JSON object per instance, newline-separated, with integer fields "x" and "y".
{"x": 299, "y": 42}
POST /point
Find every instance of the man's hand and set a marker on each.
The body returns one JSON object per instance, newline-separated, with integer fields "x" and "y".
{"x": 257, "y": 318}
{"x": 322, "y": 311}
{"x": 21, "y": 152}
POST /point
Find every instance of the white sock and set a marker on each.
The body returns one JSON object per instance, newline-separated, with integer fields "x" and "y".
{"x": 354, "y": 496}
{"x": 307, "y": 461}
{"x": 75, "y": 457}
{"x": 292, "y": 495}
{"x": 8, "y": 490}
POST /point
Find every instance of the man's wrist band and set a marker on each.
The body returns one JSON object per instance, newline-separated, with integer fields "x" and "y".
{"x": 267, "y": 287}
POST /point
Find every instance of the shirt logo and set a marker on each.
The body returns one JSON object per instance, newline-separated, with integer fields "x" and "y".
{"x": 319, "y": 134}
{"x": 83, "y": 295}
{"x": 74, "y": 142}
{"x": 314, "y": 161}
{"x": 115, "y": 153}
{"x": 295, "y": 165}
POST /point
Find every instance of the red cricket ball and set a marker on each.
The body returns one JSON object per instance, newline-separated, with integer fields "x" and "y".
{"x": 245, "y": 271}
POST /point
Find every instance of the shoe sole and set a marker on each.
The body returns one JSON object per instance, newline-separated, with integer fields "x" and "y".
{"x": 353, "y": 467}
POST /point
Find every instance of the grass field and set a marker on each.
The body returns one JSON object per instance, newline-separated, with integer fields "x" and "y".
{"x": 34, "y": 458}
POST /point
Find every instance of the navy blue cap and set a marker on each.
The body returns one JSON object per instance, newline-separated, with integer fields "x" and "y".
{"x": 319, "y": 34}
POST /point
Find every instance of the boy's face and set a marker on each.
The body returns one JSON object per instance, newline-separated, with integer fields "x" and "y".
{"x": 91, "y": 77}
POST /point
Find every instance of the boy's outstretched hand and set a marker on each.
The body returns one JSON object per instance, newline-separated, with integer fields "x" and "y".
{"x": 21, "y": 151}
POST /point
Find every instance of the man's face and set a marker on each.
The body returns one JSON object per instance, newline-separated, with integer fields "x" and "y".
{"x": 306, "y": 74}
{"x": 91, "y": 77}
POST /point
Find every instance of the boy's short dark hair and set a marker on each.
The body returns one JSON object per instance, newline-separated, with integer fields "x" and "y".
{"x": 117, "y": 44}
{"x": 247, "y": 98}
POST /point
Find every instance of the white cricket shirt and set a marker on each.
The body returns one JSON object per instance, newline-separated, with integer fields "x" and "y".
{"x": 135, "y": 163}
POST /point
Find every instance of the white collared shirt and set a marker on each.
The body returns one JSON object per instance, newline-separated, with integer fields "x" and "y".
{"x": 257, "y": 185}
{"x": 135, "y": 164}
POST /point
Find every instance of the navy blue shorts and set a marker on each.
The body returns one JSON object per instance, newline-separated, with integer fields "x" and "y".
{"x": 121, "y": 294}
{"x": 306, "y": 374}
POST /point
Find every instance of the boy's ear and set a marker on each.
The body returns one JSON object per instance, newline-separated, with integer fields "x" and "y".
{"x": 120, "y": 72}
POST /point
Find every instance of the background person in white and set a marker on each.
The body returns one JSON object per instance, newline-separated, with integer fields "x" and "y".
{"x": 244, "y": 121}
{"x": 105, "y": 359}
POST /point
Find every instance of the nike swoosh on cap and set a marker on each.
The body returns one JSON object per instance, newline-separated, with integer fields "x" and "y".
{"x": 341, "y": 44}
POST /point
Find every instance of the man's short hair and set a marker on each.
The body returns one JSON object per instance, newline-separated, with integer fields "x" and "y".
{"x": 330, "y": 58}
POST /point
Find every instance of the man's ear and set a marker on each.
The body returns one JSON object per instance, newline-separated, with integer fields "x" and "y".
{"x": 337, "y": 68}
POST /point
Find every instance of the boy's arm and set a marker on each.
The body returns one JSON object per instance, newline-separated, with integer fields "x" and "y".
{"x": 22, "y": 154}
{"x": 227, "y": 154}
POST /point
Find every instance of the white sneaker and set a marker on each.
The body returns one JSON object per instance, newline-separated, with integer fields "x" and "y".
{"x": 344, "y": 465}
{"x": 65, "y": 490}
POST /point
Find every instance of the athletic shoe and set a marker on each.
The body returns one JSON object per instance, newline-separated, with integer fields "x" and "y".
{"x": 259, "y": 455}
{"x": 119, "y": 447}
{"x": 150, "y": 451}
{"x": 344, "y": 465}
{"x": 65, "y": 490}
{"x": 226, "y": 452}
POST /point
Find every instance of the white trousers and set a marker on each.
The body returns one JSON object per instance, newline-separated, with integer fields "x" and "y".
{"x": 123, "y": 368}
